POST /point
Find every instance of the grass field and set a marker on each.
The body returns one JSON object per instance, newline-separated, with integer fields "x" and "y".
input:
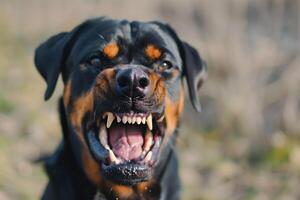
{"x": 244, "y": 145}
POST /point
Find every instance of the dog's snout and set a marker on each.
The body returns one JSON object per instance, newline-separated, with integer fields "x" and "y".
{"x": 133, "y": 82}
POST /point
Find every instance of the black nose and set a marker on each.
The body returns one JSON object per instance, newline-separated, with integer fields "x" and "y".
{"x": 133, "y": 82}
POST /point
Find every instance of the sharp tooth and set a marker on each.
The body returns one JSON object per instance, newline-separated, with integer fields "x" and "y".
{"x": 138, "y": 120}
{"x": 129, "y": 120}
{"x": 144, "y": 120}
{"x": 133, "y": 120}
{"x": 104, "y": 115}
{"x": 161, "y": 119}
{"x": 149, "y": 122}
{"x": 119, "y": 119}
{"x": 112, "y": 157}
{"x": 124, "y": 119}
{"x": 148, "y": 157}
{"x": 103, "y": 136}
{"x": 148, "y": 140}
{"x": 110, "y": 119}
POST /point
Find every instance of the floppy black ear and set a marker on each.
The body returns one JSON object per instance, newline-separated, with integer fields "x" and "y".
{"x": 194, "y": 68}
{"x": 51, "y": 55}
{"x": 195, "y": 71}
{"x": 49, "y": 59}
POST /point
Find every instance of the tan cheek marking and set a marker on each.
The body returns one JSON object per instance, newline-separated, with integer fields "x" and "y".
{"x": 67, "y": 93}
{"x": 111, "y": 50}
{"x": 91, "y": 167}
{"x": 173, "y": 111}
{"x": 109, "y": 74}
{"x": 160, "y": 92}
{"x": 174, "y": 73}
{"x": 181, "y": 101}
{"x": 158, "y": 87}
{"x": 152, "y": 52}
{"x": 104, "y": 82}
{"x": 153, "y": 80}
{"x": 82, "y": 105}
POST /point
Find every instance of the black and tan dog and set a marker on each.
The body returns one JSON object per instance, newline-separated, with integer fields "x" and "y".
{"x": 122, "y": 100}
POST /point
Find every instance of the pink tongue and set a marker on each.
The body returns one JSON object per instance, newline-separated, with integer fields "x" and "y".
{"x": 126, "y": 141}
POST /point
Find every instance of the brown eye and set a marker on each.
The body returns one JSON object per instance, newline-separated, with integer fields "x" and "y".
{"x": 166, "y": 65}
{"x": 95, "y": 61}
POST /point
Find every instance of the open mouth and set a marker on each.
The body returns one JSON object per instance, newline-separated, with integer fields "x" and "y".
{"x": 127, "y": 145}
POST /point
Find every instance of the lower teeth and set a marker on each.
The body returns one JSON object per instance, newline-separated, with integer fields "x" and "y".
{"x": 103, "y": 136}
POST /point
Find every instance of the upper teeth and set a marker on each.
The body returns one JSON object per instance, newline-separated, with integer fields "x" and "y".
{"x": 130, "y": 119}
{"x": 119, "y": 119}
{"x": 110, "y": 119}
{"x": 138, "y": 120}
{"x": 143, "y": 120}
{"x": 149, "y": 122}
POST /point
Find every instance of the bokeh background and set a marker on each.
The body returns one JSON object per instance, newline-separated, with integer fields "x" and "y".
{"x": 246, "y": 142}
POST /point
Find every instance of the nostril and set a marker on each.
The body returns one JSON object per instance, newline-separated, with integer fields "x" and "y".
{"x": 132, "y": 82}
{"x": 143, "y": 82}
{"x": 123, "y": 81}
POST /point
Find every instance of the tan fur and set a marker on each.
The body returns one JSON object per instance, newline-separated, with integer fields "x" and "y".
{"x": 67, "y": 93}
{"x": 173, "y": 111}
{"x": 152, "y": 52}
{"x": 111, "y": 50}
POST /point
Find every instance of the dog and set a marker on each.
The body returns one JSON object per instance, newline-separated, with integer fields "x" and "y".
{"x": 120, "y": 108}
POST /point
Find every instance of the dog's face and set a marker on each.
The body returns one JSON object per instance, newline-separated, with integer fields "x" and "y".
{"x": 123, "y": 94}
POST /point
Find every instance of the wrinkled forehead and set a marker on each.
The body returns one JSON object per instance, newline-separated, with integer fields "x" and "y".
{"x": 126, "y": 34}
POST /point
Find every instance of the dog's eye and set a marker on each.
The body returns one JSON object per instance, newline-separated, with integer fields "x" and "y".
{"x": 95, "y": 61}
{"x": 166, "y": 65}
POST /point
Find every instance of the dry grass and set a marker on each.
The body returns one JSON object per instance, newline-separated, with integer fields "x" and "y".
{"x": 246, "y": 138}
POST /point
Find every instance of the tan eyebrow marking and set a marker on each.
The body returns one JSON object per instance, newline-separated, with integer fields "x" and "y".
{"x": 152, "y": 52}
{"x": 111, "y": 50}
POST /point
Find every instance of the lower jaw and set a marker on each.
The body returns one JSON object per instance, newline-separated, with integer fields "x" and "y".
{"x": 127, "y": 173}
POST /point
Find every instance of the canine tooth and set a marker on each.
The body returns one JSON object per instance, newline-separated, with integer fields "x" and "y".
{"x": 110, "y": 119}
{"x": 161, "y": 119}
{"x": 149, "y": 122}
{"x": 103, "y": 136}
{"x": 104, "y": 115}
{"x": 138, "y": 120}
{"x": 124, "y": 119}
{"x": 119, "y": 119}
{"x": 148, "y": 157}
{"x": 144, "y": 120}
{"x": 133, "y": 120}
{"x": 148, "y": 141}
{"x": 129, "y": 120}
{"x": 112, "y": 157}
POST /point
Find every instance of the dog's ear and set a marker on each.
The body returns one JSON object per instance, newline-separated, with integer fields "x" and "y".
{"x": 51, "y": 55}
{"x": 194, "y": 68}
{"x": 49, "y": 59}
{"x": 195, "y": 71}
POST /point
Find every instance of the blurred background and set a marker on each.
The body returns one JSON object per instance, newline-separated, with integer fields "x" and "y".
{"x": 245, "y": 144}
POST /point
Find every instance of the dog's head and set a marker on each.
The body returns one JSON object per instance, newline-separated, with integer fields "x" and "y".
{"x": 123, "y": 93}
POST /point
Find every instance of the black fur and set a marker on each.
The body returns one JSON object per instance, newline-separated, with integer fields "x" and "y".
{"x": 64, "y": 52}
